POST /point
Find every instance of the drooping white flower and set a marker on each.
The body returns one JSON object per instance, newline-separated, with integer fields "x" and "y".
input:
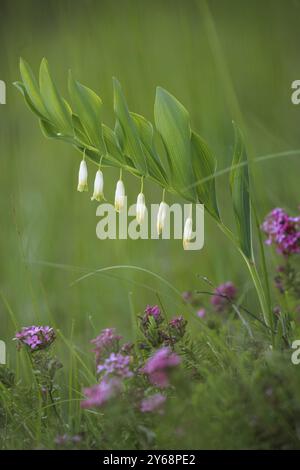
{"x": 119, "y": 196}
{"x": 161, "y": 216}
{"x": 82, "y": 177}
{"x": 140, "y": 208}
{"x": 98, "y": 187}
{"x": 187, "y": 232}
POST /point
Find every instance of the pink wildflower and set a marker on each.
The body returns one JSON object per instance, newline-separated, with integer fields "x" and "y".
{"x": 100, "y": 393}
{"x": 105, "y": 343}
{"x": 153, "y": 403}
{"x": 223, "y": 295}
{"x": 158, "y": 365}
{"x": 283, "y": 231}
{"x": 36, "y": 337}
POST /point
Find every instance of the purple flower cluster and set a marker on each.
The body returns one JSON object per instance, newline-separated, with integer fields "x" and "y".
{"x": 153, "y": 403}
{"x": 177, "y": 327}
{"x": 113, "y": 365}
{"x": 177, "y": 322}
{"x": 223, "y": 294}
{"x": 99, "y": 394}
{"x": 105, "y": 343}
{"x": 152, "y": 311}
{"x": 116, "y": 365}
{"x": 158, "y": 365}
{"x": 201, "y": 313}
{"x": 36, "y": 337}
{"x": 283, "y": 231}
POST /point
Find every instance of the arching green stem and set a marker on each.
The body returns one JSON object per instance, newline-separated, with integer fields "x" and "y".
{"x": 267, "y": 314}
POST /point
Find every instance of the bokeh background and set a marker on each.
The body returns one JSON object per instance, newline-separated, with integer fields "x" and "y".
{"x": 47, "y": 230}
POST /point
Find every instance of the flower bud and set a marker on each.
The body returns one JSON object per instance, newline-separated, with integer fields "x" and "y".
{"x": 82, "y": 177}
{"x": 161, "y": 216}
{"x": 140, "y": 208}
{"x": 98, "y": 187}
{"x": 119, "y": 196}
{"x": 188, "y": 232}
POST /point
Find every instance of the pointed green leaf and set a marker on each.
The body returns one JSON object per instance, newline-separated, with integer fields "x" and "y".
{"x": 32, "y": 89}
{"x": 51, "y": 132}
{"x": 132, "y": 144}
{"x": 239, "y": 185}
{"x": 145, "y": 131}
{"x": 173, "y": 123}
{"x": 58, "y": 110}
{"x": 111, "y": 144}
{"x": 21, "y": 87}
{"x": 88, "y": 107}
{"x": 204, "y": 165}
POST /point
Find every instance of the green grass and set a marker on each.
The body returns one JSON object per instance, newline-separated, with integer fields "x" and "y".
{"x": 48, "y": 237}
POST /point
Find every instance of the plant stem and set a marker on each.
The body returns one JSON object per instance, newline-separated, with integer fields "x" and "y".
{"x": 267, "y": 314}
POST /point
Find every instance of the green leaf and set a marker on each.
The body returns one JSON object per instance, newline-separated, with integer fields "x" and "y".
{"x": 204, "y": 165}
{"x": 21, "y": 87}
{"x": 58, "y": 110}
{"x": 112, "y": 145}
{"x": 51, "y": 132}
{"x": 239, "y": 185}
{"x": 88, "y": 107}
{"x": 145, "y": 131}
{"x": 173, "y": 123}
{"x": 32, "y": 90}
{"x": 131, "y": 145}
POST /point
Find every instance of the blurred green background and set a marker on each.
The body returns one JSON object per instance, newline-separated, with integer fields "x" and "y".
{"x": 144, "y": 44}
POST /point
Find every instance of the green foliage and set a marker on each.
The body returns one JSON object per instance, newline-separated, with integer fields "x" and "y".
{"x": 88, "y": 107}
{"x": 227, "y": 393}
{"x": 131, "y": 144}
{"x": 239, "y": 184}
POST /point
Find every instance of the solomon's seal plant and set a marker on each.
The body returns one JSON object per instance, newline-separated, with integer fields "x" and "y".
{"x": 187, "y": 167}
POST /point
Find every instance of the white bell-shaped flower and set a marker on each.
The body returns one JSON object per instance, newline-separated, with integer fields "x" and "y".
{"x": 98, "y": 187}
{"x": 82, "y": 177}
{"x": 119, "y": 196}
{"x": 161, "y": 216}
{"x": 187, "y": 232}
{"x": 140, "y": 208}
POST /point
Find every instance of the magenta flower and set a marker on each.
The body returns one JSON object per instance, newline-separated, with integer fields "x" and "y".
{"x": 152, "y": 311}
{"x": 158, "y": 366}
{"x": 99, "y": 394}
{"x": 116, "y": 365}
{"x": 201, "y": 313}
{"x": 177, "y": 326}
{"x": 283, "y": 231}
{"x": 153, "y": 403}
{"x": 36, "y": 337}
{"x": 105, "y": 343}
{"x": 177, "y": 322}
{"x": 187, "y": 296}
{"x": 223, "y": 294}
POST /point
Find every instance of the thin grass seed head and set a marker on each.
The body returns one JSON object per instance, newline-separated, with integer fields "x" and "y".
{"x": 82, "y": 177}
{"x": 98, "y": 187}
